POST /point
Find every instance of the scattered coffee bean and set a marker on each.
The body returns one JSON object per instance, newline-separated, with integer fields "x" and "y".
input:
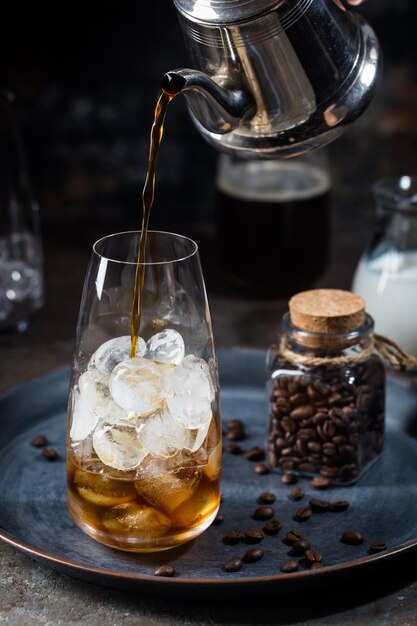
{"x": 261, "y": 469}
{"x": 233, "y": 449}
{"x": 300, "y": 546}
{"x": 297, "y": 493}
{"x": 289, "y": 566}
{"x": 237, "y": 434}
{"x": 377, "y": 546}
{"x": 165, "y": 570}
{"x": 352, "y": 537}
{"x": 288, "y": 478}
{"x": 232, "y": 537}
{"x": 292, "y": 536}
{"x": 263, "y": 513}
{"x": 266, "y": 497}
{"x": 253, "y": 555}
{"x": 320, "y": 482}
{"x": 253, "y": 536}
{"x": 218, "y": 520}
{"x": 312, "y": 556}
{"x": 50, "y": 454}
{"x": 319, "y": 506}
{"x": 316, "y": 566}
{"x": 39, "y": 441}
{"x": 303, "y": 514}
{"x": 233, "y": 565}
{"x": 339, "y": 506}
{"x": 255, "y": 454}
{"x": 272, "y": 527}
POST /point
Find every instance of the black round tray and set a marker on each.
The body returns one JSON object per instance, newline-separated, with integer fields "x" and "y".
{"x": 34, "y": 516}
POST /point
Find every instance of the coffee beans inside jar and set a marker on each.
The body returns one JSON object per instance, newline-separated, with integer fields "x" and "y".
{"x": 326, "y": 411}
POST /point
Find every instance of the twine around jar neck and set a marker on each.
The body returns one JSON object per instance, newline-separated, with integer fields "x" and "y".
{"x": 389, "y": 351}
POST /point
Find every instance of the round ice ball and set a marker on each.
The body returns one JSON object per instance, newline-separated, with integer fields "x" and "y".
{"x": 137, "y": 385}
{"x": 166, "y": 347}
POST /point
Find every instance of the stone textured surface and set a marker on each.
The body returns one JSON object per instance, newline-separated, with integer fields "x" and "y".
{"x": 30, "y": 594}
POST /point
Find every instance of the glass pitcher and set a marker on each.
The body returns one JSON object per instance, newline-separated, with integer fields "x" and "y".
{"x": 386, "y": 275}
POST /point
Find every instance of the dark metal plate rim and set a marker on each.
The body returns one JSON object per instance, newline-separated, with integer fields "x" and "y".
{"x": 342, "y": 568}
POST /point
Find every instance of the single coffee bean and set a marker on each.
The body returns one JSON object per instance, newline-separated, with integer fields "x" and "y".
{"x": 50, "y": 454}
{"x": 339, "y": 506}
{"x": 286, "y": 464}
{"x": 39, "y": 441}
{"x": 288, "y": 425}
{"x": 302, "y": 412}
{"x": 316, "y": 566}
{"x": 253, "y": 555}
{"x": 165, "y": 570}
{"x": 233, "y": 449}
{"x": 300, "y": 546}
{"x": 299, "y": 399}
{"x": 237, "y": 434}
{"x": 297, "y": 493}
{"x": 261, "y": 469}
{"x": 314, "y": 447}
{"x": 233, "y": 565}
{"x": 334, "y": 398}
{"x": 329, "y": 472}
{"x": 319, "y": 506}
{"x": 289, "y": 566}
{"x": 319, "y": 418}
{"x": 263, "y": 513}
{"x": 312, "y": 556}
{"x": 235, "y": 423}
{"x": 288, "y": 478}
{"x": 352, "y": 537}
{"x": 266, "y": 497}
{"x": 272, "y": 527}
{"x": 320, "y": 482}
{"x": 377, "y": 546}
{"x": 348, "y": 472}
{"x": 306, "y": 434}
{"x": 218, "y": 520}
{"x": 232, "y": 537}
{"x": 253, "y": 536}
{"x": 255, "y": 454}
{"x": 303, "y": 514}
{"x": 329, "y": 449}
{"x": 292, "y": 536}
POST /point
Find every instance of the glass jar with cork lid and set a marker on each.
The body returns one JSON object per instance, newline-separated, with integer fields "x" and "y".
{"x": 327, "y": 388}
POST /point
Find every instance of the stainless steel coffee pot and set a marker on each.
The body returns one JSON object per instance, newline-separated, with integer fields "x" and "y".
{"x": 275, "y": 78}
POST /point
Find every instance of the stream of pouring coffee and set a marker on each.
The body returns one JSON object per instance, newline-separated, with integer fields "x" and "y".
{"x": 171, "y": 86}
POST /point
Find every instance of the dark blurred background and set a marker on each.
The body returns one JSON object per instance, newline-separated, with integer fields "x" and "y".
{"x": 86, "y": 75}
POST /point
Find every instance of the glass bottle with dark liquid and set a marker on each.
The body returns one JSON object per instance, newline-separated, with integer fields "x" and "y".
{"x": 273, "y": 223}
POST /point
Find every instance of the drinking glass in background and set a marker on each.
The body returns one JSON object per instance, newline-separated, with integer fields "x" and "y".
{"x": 273, "y": 223}
{"x": 21, "y": 261}
{"x": 387, "y": 272}
{"x": 144, "y": 433}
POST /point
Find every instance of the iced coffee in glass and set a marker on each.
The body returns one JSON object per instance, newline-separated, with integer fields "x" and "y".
{"x": 144, "y": 434}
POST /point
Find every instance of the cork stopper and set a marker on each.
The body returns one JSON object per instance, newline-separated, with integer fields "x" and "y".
{"x": 330, "y": 311}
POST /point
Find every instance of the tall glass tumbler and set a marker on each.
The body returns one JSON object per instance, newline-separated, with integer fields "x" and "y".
{"x": 144, "y": 433}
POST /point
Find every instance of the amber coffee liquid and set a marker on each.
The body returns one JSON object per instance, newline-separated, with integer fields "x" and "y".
{"x": 94, "y": 491}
